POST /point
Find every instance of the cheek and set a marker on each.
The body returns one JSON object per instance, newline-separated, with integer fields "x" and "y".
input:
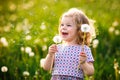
{"x": 73, "y": 31}
{"x": 74, "y": 34}
{"x": 59, "y": 31}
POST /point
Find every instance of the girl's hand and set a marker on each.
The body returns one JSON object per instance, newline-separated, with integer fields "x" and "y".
{"x": 52, "y": 49}
{"x": 83, "y": 57}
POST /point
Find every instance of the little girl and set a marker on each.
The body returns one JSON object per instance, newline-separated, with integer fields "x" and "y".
{"x": 65, "y": 57}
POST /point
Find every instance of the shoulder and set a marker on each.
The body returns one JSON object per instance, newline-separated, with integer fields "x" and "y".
{"x": 86, "y": 47}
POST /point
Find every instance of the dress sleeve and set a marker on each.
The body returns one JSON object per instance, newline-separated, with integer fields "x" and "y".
{"x": 89, "y": 54}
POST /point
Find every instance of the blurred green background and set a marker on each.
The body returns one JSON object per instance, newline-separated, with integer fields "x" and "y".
{"x": 27, "y": 28}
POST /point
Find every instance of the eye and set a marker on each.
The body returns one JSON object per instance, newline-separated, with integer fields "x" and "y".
{"x": 69, "y": 25}
{"x": 62, "y": 25}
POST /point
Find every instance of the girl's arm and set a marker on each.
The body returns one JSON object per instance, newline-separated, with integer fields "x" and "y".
{"x": 48, "y": 62}
{"x": 50, "y": 57}
{"x": 88, "y": 68}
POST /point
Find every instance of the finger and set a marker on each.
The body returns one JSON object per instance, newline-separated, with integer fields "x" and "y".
{"x": 53, "y": 46}
{"x": 82, "y": 52}
{"x": 53, "y": 50}
{"x": 83, "y": 55}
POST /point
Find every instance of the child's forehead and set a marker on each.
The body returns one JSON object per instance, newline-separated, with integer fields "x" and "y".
{"x": 67, "y": 19}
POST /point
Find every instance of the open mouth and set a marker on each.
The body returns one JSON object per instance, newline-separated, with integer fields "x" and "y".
{"x": 64, "y": 33}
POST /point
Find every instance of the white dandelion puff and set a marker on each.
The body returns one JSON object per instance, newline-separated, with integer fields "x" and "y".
{"x": 95, "y": 43}
{"x": 43, "y": 26}
{"x": 4, "y": 41}
{"x": 115, "y": 23}
{"x": 28, "y": 49}
{"x": 22, "y": 49}
{"x": 44, "y": 47}
{"x": 31, "y": 54}
{"x": 57, "y": 39}
{"x": 117, "y": 32}
{"x": 42, "y": 61}
{"x": 4, "y": 69}
{"x": 28, "y": 37}
{"x": 26, "y": 73}
{"x": 119, "y": 71}
{"x": 111, "y": 29}
{"x": 85, "y": 28}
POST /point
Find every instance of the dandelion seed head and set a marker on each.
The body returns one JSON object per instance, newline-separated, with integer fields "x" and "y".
{"x": 28, "y": 37}
{"x": 42, "y": 62}
{"x": 85, "y": 28}
{"x": 28, "y": 49}
{"x": 31, "y": 54}
{"x": 95, "y": 43}
{"x": 4, "y": 69}
{"x": 26, "y": 73}
{"x": 57, "y": 39}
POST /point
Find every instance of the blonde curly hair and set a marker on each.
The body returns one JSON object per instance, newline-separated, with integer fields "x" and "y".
{"x": 80, "y": 18}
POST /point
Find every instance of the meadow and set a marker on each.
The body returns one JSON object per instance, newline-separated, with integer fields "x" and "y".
{"x": 27, "y": 28}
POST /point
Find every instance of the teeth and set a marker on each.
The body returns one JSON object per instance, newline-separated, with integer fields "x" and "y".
{"x": 64, "y": 32}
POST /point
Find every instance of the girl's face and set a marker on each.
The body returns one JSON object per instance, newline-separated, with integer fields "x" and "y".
{"x": 68, "y": 30}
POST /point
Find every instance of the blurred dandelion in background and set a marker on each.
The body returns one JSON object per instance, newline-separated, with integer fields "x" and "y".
{"x": 116, "y": 67}
{"x": 36, "y": 41}
{"x": 44, "y": 47}
{"x": 28, "y": 49}
{"x": 31, "y": 54}
{"x": 117, "y": 32}
{"x": 27, "y": 5}
{"x": 42, "y": 26}
{"x": 22, "y": 49}
{"x": 95, "y": 43}
{"x": 3, "y": 40}
{"x": 4, "y": 69}
{"x": 12, "y": 6}
{"x": 26, "y": 74}
{"x": 28, "y": 37}
{"x": 111, "y": 29}
{"x": 13, "y": 17}
{"x": 115, "y": 23}
{"x": 45, "y": 39}
{"x": 7, "y": 28}
{"x": 119, "y": 71}
{"x": 42, "y": 62}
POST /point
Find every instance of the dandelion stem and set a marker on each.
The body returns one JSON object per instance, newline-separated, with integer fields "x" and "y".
{"x": 83, "y": 41}
{"x": 51, "y": 64}
{"x": 4, "y": 76}
{"x": 84, "y": 35}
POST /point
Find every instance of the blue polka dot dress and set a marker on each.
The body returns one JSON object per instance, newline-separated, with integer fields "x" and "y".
{"x": 66, "y": 62}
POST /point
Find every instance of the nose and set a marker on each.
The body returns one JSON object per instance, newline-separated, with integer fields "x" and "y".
{"x": 63, "y": 27}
